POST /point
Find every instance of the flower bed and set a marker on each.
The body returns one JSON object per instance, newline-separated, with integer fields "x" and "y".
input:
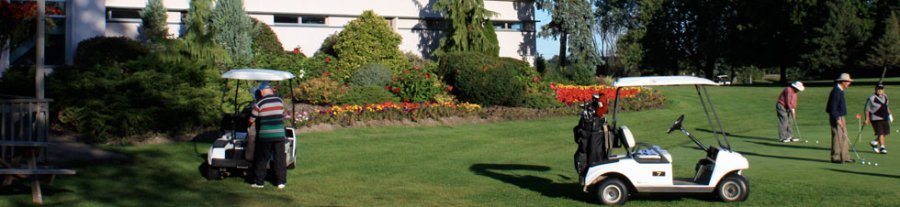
{"x": 633, "y": 98}
{"x": 346, "y": 115}
{"x": 573, "y": 94}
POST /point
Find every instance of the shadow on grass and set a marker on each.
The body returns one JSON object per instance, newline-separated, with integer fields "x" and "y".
{"x": 785, "y": 157}
{"x": 774, "y": 144}
{"x": 151, "y": 177}
{"x": 865, "y": 173}
{"x": 541, "y": 185}
{"x": 739, "y": 136}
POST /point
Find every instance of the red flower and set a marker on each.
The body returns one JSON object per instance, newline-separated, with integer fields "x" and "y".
{"x": 449, "y": 88}
{"x": 327, "y": 59}
{"x": 296, "y": 51}
{"x": 396, "y": 90}
{"x": 427, "y": 76}
{"x": 387, "y": 87}
{"x": 416, "y": 67}
{"x": 536, "y": 79}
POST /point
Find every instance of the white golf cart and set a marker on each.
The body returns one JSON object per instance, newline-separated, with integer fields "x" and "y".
{"x": 231, "y": 151}
{"x": 648, "y": 169}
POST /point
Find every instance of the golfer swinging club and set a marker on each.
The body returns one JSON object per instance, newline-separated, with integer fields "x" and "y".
{"x": 786, "y": 110}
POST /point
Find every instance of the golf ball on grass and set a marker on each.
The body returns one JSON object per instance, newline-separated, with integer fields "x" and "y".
{"x": 876, "y": 164}
{"x": 806, "y": 141}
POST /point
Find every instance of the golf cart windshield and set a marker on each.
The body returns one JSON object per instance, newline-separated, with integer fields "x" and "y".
{"x": 698, "y": 83}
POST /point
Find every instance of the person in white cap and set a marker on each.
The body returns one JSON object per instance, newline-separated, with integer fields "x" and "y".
{"x": 879, "y": 115}
{"x": 837, "y": 109}
{"x": 786, "y": 110}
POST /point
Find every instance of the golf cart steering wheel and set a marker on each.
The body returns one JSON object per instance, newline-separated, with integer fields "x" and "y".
{"x": 676, "y": 125}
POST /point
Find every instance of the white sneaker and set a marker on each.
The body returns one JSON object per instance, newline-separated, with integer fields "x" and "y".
{"x": 256, "y": 186}
{"x": 786, "y": 140}
{"x": 795, "y": 139}
{"x": 876, "y": 150}
{"x": 281, "y": 186}
{"x": 874, "y": 143}
{"x": 883, "y": 150}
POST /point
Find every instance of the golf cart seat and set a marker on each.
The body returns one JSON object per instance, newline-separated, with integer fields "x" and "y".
{"x": 643, "y": 152}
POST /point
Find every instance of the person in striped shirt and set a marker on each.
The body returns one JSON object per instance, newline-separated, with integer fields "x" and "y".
{"x": 268, "y": 117}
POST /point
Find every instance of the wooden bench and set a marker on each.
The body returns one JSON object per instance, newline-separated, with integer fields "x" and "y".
{"x": 11, "y": 171}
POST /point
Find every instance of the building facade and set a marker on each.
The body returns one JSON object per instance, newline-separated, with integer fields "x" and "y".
{"x": 300, "y": 24}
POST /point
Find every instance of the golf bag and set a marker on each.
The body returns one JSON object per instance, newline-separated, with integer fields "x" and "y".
{"x": 593, "y": 139}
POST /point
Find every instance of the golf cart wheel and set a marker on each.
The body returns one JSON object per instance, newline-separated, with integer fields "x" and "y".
{"x": 612, "y": 191}
{"x": 733, "y": 188}
{"x": 213, "y": 173}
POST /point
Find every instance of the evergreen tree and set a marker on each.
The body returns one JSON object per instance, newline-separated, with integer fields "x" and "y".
{"x": 233, "y": 30}
{"x": 368, "y": 39}
{"x": 198, "y": 16}
{"x": 574, "y": 26}
{"x": 471, "y": 29}
{"x": 886, "y": 51}
{"x": 153, "y": 21}
{"x": 836, "y": 37}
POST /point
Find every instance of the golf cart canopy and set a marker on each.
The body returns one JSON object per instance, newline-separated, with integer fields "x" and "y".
{"x": 662, "y": 81}
{"x": 699, "y": 83}
{"x": 258, "y": 75}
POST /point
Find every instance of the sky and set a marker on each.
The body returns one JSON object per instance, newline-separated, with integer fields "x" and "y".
{"x": 546, "y": 47}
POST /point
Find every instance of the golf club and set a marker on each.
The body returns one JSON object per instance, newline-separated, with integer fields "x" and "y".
{"x": 797, "y": 128}
{"x": 858, "y": 134}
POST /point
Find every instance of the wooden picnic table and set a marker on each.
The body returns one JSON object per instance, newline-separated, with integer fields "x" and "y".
{"x": 32, "y": 148}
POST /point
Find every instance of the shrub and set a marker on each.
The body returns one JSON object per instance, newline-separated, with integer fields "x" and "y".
{"x": 265, "y": 41}
{"x": 368, "y": 39}
{"x": 582, "y": 74}
{"x": 18, "y": 81}
{"x": 360, "y": 95}
{"x": 110, "y": 103}
{"x": 485, "y": 80}
{"x": 416, "y": 85}
{"x": 371, "y": 75}
{"x": 646, "y": 99}
{"x": 327, "y": 47}
{"x": 108, "y": 50}
{"x": 320, "y": 91}
{"x": 320, "y": 64}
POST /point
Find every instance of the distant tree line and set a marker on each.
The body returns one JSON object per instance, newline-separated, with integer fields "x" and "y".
{"x": 795, "y": 38}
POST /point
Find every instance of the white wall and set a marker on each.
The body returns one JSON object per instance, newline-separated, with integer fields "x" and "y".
{"x": 515, "y": 44}
{"x": 86, "y": 19}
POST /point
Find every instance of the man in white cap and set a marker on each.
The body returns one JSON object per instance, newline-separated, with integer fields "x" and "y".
{"x": 837, "y": 109}
{"x": 786, "y": 110}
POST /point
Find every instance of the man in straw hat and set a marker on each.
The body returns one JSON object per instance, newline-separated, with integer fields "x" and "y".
{"x": 786, "y": 110}
{"x": 837, "y": 109}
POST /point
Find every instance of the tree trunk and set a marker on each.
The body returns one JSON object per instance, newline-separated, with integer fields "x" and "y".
{"x": 563, "y": 40}
{"x": 783, "y": 76}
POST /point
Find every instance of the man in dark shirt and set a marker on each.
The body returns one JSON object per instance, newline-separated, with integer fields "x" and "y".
{"x": 837, "y": 109}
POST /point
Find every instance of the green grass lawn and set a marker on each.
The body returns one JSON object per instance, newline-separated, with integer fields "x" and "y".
{"x": 519, "y": 163}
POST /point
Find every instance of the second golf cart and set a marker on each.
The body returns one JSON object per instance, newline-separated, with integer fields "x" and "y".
{"x": 647, "y": 168}
{"x": 231, "y": 151}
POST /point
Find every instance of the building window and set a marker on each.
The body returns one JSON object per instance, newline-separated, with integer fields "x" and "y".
{"x": 286, "y": 19}
{"x": 129, "y": 14}
{"x": 312, "y": 20}
{"x": 517, "y": 26}
{"x": 435, "y": 24}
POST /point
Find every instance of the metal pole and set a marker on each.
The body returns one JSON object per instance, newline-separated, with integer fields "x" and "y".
{"x": 718, "y": 121}
{"x": 39, "y": 67}
{"x": 705, "y": 110}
